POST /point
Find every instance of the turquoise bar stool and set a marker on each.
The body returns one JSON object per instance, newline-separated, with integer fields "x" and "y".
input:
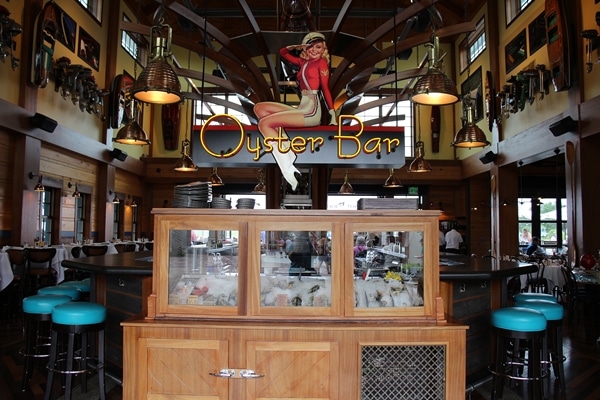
{"x": 37, "y": 314}
{"x": 510, "y": 326}
{"x": 534, "y": 296}
{"x": 553, "y": 343}
{"x": 71, "y": 321}
{"x": 83, "y": 286}
{"x": 72, "y": 292}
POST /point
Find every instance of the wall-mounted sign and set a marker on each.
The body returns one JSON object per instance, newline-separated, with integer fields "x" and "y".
{"x": 355, "y": 146}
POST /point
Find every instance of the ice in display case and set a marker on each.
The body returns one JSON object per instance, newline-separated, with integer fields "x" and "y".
{"x": 289, "y": 263}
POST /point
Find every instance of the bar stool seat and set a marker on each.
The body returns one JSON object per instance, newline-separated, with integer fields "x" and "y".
{"x": 534, "y": 296}
{"x": 72, "y": 292}
{"x": 553, "y": 345}
{"x": 511, "y": 325}
{"x": 76, "y": 319}
{"x": 37, "y": 314}
{"x": 83, "y": 286}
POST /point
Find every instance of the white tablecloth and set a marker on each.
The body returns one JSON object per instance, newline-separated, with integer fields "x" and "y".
{"x": 552, "y": 273}
{"x": 6, "y": 273}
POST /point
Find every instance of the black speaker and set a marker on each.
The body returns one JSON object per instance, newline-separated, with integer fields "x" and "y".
{"x": 118, "y": 154}
{"x": 41, "y": 121}
{"x": 567, "y": 124}
{"x": 488, "y": 157}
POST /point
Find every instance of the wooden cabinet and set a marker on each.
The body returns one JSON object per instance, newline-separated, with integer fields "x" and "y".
{"x": 228, "y": 319}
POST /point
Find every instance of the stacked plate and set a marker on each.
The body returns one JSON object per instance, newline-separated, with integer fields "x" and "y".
{"x": 193, "y": 195}
{"x": 220, "y": 202}
{"x": 245, "y": 203}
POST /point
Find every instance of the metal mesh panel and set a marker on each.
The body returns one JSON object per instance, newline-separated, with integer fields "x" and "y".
{"x": 403, "y": 372}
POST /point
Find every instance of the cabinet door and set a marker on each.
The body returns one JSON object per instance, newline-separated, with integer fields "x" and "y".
{"x": 298, "y": 370}
{"x": 180, "y": 369}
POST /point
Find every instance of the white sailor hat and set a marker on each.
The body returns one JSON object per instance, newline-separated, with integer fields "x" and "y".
{"x": 313, "y": 37}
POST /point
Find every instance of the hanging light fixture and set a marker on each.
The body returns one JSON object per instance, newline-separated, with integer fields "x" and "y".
{"x": 392, "y": 181}
{"x": 132, "y": 132}
{"x": 435, "y": 87}
{"x": 39, "y": 186}
{"x": 133, "y": 203}
{"x": 185, "y": 163}
{"x": 470, "y": 135}
{"x": 115, "y": 199}
{"x": 419, "y": 164}
{"x": 158, "y": 83}
{"x": 260, "y": 186}
{"x": 215, "y": 179}
{"x": 346, "y": 187}
{"x": 76, "y": 193}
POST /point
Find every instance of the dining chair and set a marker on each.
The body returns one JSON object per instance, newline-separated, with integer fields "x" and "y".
{"x": 94, "y": 250}
{"x": 38, "y": 270}
{"x": 148, "y": 246}
{"x": 576, "y": 296}
{"x": 537, "y": 283}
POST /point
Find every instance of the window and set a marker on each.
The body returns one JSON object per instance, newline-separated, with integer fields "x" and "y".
{"x": 472, "y": 46}
{"x": 80, "y": 205}
{"x": 545, "y": 218}
{"x": 135, "y": 45}
{"x": 134, "y": 221}
{"x": 94, "y": 7}
{"x": 117, "y": 220}
{"x": 46, "y": 214}
{"x": 514, "y": 8}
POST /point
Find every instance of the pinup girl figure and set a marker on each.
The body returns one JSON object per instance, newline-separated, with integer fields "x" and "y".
{"x": 312, "y": 76}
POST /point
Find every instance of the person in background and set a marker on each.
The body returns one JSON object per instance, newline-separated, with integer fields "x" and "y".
{"x": 442, "y": 238}
{"x": 360, "y": 245}
{"x": 453, "y": 240}
{"x": 534, "y": 248}
{"x": 525, "y": 236}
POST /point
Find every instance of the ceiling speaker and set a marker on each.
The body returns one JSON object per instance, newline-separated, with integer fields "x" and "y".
{"x": 118, "y": 154}
{"x": 41, "y": 121}
{"x": 567, "y": 124}
{"x": 488, "y": 157}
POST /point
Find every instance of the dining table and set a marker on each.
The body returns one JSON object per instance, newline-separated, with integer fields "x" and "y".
{"x": 551, "y": 271}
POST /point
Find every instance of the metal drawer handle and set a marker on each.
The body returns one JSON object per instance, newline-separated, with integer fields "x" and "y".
{"x": 224, "y": 373}
{"x": 249, "y": 374}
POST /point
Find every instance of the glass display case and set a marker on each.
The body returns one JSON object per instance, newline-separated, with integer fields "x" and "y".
{"x": 290, "y": 263}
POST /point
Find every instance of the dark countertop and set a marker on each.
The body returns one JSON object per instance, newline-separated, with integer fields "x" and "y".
{"x": 130, "y": 263}
{"x": 463, "y": 267}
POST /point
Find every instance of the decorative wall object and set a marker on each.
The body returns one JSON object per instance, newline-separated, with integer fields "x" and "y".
{"x": 89, "y": 49}
{"x": 473, "y": 87}
{"x": 516, "y": 51}
{"x": 67, "y": 29}
{"x": 537, "y": 33}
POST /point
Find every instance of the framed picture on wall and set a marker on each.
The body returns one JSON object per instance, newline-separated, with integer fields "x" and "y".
{"x": 89, "y": 49}
{"x": 515, "y": 51}
{"x": 473, "y": 87}
{"x": 537, "y": 33}
{"x": 67, "y": 28}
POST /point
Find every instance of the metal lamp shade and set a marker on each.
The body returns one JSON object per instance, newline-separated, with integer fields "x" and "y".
{"x": 346, "y": 187}
{"x": 470, "y": 135}
{"x": 157, "y": 84}
{"x": 132, "y": 133}
{"x": 185, "y": 163}
{"x": 419, "y": 164}
{"x": 434, "y": 88}
{"x": 215, "y": 179}
{"x": 392, "y": 181}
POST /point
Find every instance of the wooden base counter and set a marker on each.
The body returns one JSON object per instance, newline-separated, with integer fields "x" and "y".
{"x": 230, "y": 317}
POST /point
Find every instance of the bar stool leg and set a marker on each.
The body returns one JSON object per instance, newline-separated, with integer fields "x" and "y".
{"x": 558, "y": 356}
{"x": 498, "y": 381}
{"x": 51, "y": 362}
{"x": 70, "y": 361}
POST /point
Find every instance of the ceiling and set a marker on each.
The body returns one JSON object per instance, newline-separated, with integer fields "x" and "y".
{"x": 244, "y": 31}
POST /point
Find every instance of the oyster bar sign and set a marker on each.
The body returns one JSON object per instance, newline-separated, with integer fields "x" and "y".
{"x": 354, "y": 145}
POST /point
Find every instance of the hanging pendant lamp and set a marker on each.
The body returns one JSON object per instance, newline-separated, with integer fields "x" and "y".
{"x": 470, "y": 135}
{"x": 260, "y": 186}
{"x": 419, "y": 164}
{"x": 185, "y": 163}
{"x": 346, "y": 187}
{"x": 215, "y": 179}
{"x": 158, "y": 83}
{"x": 132, "y": 132}
{"x": 435, "y": 87}
{"x": 392, "y": 181}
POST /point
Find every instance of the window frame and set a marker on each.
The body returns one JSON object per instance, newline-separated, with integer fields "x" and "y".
{"x": 94, "y": 8}
{"x": 514, "y": 8}
{"x": 469, "y": 43}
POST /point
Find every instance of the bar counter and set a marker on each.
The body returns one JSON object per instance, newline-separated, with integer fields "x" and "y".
{"x": 121, "y": 282}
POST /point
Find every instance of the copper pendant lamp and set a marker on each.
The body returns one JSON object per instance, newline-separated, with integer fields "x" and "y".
{"x": 132, "y": 132}
{"x": 346, "y": 187}
{"x": 470, "y": 135}
{"x": 435, "y": 87}
{"x": 215, "y": 179}
{"x": 260, "y": 186}
{"x": 158, "y": 83}
{"x": 185, "y": 163}
{"x": 392, "y": 181}
{"x": 419, "y": 164}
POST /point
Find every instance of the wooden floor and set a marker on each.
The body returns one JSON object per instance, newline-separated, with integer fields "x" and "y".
{"x": 582, "y": 366}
